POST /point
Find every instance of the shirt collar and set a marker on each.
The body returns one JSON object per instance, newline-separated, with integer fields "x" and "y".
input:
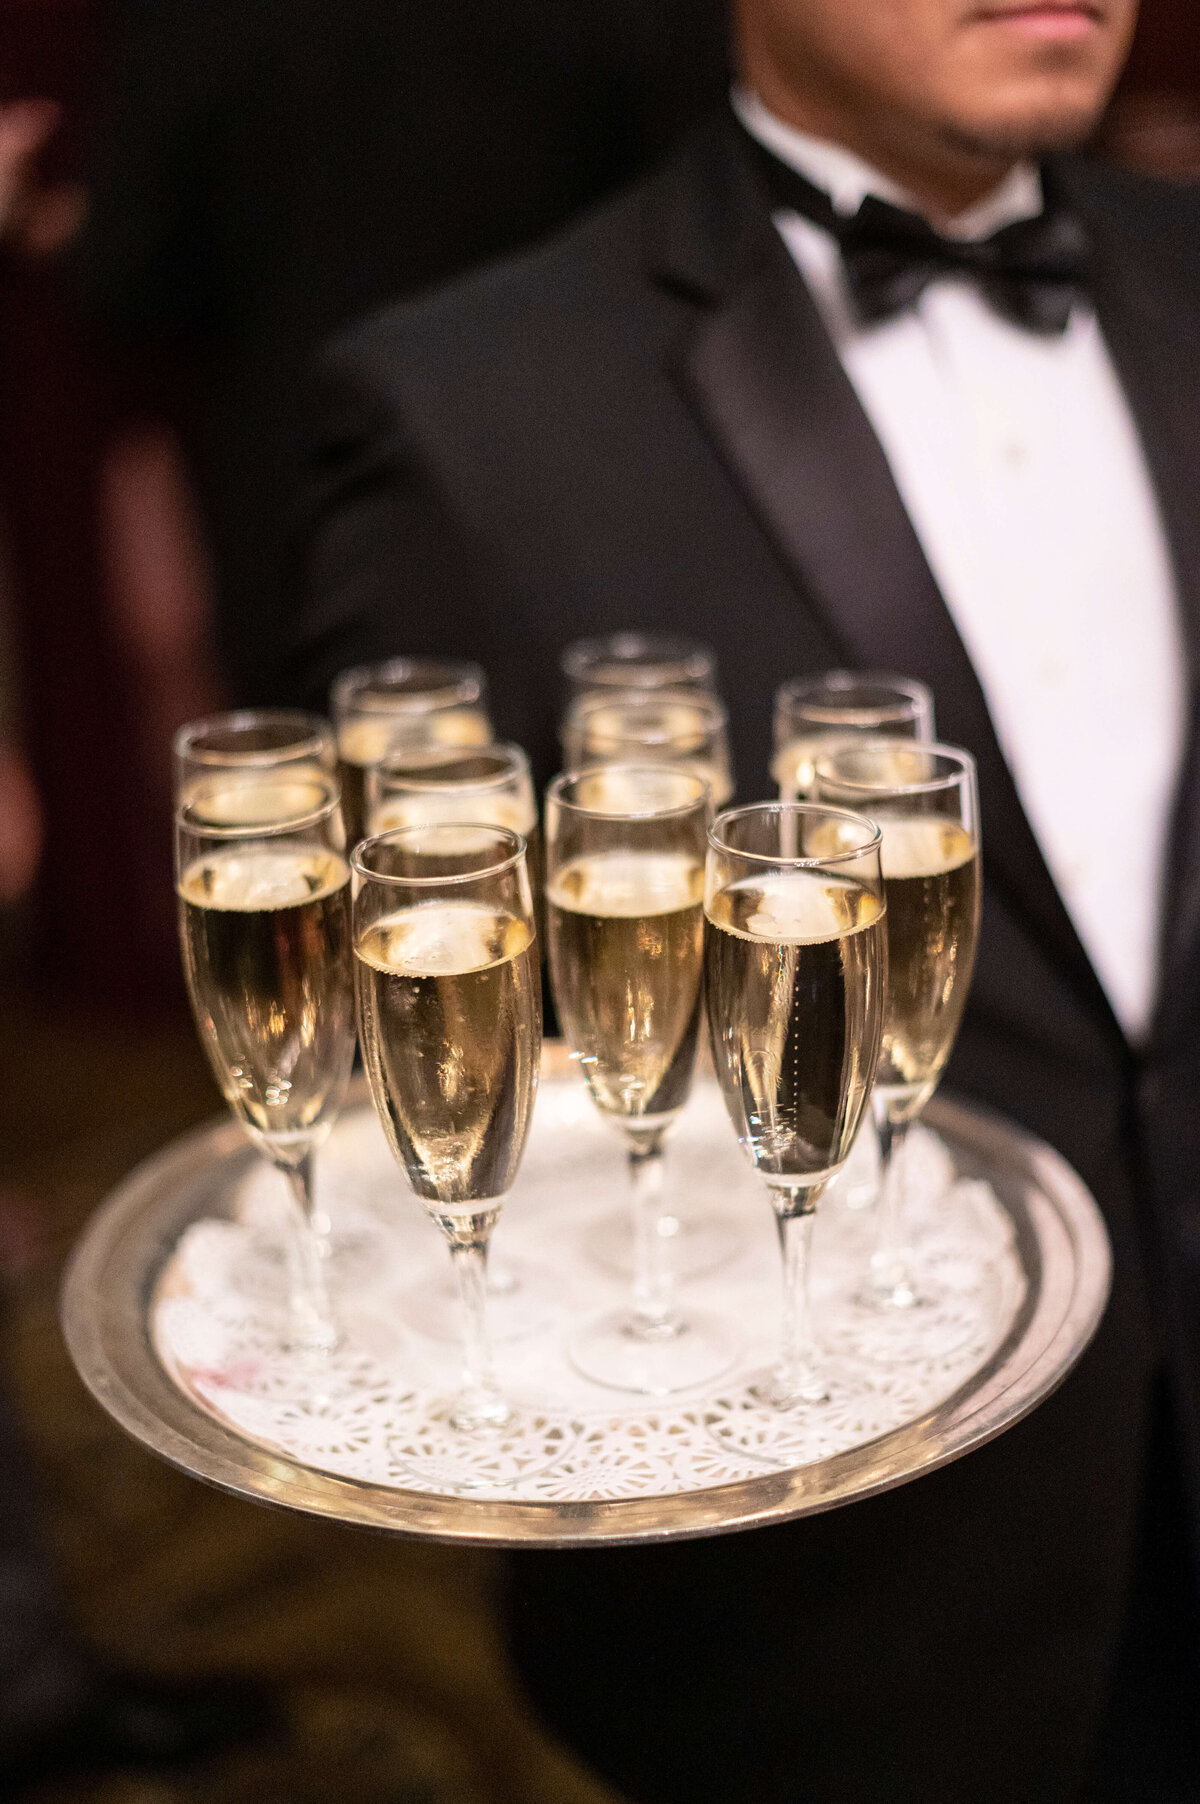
{"x": 847, "y": 179}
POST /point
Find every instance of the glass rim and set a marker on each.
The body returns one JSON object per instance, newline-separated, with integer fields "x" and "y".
{"x": 234, "y": 830}
{"x": 464, "y": 685}
{"x": 317, "y": 735}
{"x": 512, "y": 859}
{"x": 518, "y": 766}
{"x": 557, "y": 785}
{"x": 798, "y": 688}
{"x": 795, "y": 862}
{"x": 665, "y": 648}
{"x": 961, "y": 761}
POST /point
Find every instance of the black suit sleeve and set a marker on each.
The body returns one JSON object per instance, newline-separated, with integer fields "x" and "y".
{"x": 379, "y": 565}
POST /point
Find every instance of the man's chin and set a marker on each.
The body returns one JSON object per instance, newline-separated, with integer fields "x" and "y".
{"x": 1039, "y": 132}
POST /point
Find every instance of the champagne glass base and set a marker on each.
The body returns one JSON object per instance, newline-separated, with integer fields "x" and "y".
{"x": 771, "y": 1421}
{"x": 785, "y": 1390}
{"x": 479, "y": 1413}
{"x": 614, "y": 1352}
{"x": 873, "y": 1328}
{"x": 523, "y": 1304}
{"x": 699, "y": 1244}
{"x": 306, "y": 1337}
{"x": 492, "y": 1460}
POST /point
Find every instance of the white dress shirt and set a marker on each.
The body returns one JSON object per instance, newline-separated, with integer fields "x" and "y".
{"x": 1020, "y": 466}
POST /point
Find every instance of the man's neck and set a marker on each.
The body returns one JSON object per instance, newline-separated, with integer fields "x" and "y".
{"x": 943, "y": 180}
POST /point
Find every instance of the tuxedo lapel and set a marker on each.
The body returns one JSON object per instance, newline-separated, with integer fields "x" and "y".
{"x": 1152, "y": 327}
{"x": 769, "y": 388}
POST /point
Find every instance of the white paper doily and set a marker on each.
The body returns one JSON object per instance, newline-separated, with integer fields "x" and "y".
{"x": 376, "y": 1410}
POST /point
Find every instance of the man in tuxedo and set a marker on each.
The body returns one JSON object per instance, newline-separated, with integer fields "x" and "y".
{"x": 874, "y": 371}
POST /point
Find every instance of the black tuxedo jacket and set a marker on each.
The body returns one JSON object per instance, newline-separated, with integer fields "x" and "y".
{"x": 645, "y": 424}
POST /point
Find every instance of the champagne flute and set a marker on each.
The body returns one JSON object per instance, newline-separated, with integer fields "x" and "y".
{"x": 264, "y": 923}
{"x": 795, "y": 967}
{"x": 421, "y": 705}
{"x": 926, "y": 801}
{"x": 680, "y": 727}
{"x": 492, "y": 785}
{"x": 684, "y": 728}
{"x": 450, "y": 1016}
{"x": 841, "y": 704}
{"x": 639, "y": 661}
{"x": 624, "y": 884}
{"x": 249, "y": 743}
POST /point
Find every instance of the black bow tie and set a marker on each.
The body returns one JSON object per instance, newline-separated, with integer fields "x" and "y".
{"x": 1031, "y": 272}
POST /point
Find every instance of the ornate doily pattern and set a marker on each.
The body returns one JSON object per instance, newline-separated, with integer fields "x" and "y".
{"x": 377, "y": 1409}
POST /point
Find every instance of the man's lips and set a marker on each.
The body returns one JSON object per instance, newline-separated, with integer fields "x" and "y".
{"x": 1054, "y": 19}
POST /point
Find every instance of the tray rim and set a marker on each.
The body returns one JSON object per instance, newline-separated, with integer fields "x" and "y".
{"x": 124, "y": 1375}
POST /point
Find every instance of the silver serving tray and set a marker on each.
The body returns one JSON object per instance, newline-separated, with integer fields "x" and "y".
{"x": 132, "y": 1265}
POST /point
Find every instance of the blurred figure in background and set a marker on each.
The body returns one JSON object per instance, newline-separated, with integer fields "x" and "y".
{"x": 872, "y": 372}
{"x": 60, "y": 1709}
{"x": 109, "y": 593}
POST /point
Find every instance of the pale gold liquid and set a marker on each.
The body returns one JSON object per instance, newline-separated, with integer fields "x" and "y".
{"x": 367, "y": 739}
{"x": 490, "y": 810}
{"x": 450, "y": 1014}
{"x": 794, "y": 764}
{"x": 932, "y": 882}
{"x": 265, "y": 931}
{"x": 795, "y": 970}
{"x": 670, "y": 732}
{"x": 625, "y": 948}
{"x": 256, "y": 798}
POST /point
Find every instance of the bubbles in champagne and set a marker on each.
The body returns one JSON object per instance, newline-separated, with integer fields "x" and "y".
{"x": 252, "y": 799}
{"x": 262, "y": 877}
{"x": 926, "y": 845}
{"x": 265, "y": 930}
{"x": 421, "y": 810}
{"x": 625, "y": 932}
{"x": 794, "y": 976}
{"x": 449, "y": 999}
{"x": 932, "y": 883}
{"x": 367, "y": 738}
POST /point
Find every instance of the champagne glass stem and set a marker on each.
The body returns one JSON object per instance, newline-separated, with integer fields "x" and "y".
{"x": 891, "y": 1262}
{"x": 797, "y": 1378}
{"x": 653, "y": 1286}
{"x": 313, "y": 1326}
{"x": 479, "y": 1403}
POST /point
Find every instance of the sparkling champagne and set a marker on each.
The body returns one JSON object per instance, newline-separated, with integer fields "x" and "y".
{"x": 265, "y": 930}
{"x": 656, "y": 729}
{"x": 794, "y": 766}
{"x": 256, "y": 798}
{"x": 449, "y": 1004}
{"x": 494, "y": 811}
{"x": 795, "y": 966}
{"x": 366, "y": 740}
{"x": 625, "y": 947}
{"x": 931, "y": 879}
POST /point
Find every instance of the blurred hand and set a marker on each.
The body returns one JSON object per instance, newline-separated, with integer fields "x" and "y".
{"x": 39, "y": 218}
{"x": 20, "y": 825}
